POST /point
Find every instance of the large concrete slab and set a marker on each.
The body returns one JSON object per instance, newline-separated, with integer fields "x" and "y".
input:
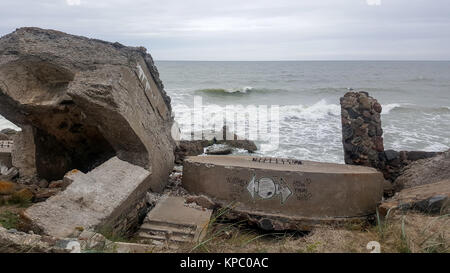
{"x": 303, "y": 193}
{"x": 106, "y": 198}
{"x": 173, "y": 220}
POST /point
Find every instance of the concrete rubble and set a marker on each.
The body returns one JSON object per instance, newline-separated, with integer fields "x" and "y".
{"x": 431, "y": 198}
{"x": 280, "y": 194}
{"x": 13, "y": 241}
{"x": 173, "y": 221}
{"x": 110, "y": 197}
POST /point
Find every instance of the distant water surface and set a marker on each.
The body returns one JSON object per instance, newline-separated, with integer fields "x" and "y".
{"x": 415, "y": 98}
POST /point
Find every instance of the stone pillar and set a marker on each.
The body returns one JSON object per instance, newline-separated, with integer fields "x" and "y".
{"x": 362, "y": 135}
{"x": 24, "y": 152}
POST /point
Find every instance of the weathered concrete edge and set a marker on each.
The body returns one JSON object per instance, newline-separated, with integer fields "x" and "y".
{"x": 274, "y": 222}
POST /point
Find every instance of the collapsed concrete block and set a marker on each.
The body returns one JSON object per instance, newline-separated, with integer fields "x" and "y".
{"x": 173, "y": 221}
{"x": 107, "y": 198}
{"x": 282, "y": 194}
{"x": 82, "y": 101}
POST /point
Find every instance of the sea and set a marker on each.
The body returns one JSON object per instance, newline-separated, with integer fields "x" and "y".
{"x": 304, "y": 96}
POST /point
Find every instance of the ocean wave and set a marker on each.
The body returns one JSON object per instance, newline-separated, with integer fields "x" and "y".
{"x": 237, "y": 91}
{"x": 243, "y": 90}
{"x": 408, "y": 107}
{"x": 318, "y": 110}
{"x": 420, "y": 79}
{"x": 389, "y": 107}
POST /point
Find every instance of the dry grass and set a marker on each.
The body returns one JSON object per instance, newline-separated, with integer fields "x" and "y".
{"x": 399, "y": 233}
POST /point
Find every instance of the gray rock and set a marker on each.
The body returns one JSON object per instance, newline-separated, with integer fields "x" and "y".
{"x": 425, "y": 171}
{"x": 43, "y": 183}
{"x": 431, "y": 198}
{"x": 9, "y": 133}
{"x": 391, "y": 154}
{"x": 92, "y": 240}
{"x": 433, "y": 204}
{"x": 219, "y": 149}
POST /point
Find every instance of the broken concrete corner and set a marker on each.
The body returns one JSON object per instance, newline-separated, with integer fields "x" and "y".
{"x": 81, "y": 101}
{"x": 111, "y": 197}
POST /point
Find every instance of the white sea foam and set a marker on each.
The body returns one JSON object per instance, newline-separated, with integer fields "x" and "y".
{"x": 4, "y": 124}
{"x": 436, "y": 147}
{"x": 389, "y": 107}
{"x": 318, "y": 110}
{"x": 227, "y": 91}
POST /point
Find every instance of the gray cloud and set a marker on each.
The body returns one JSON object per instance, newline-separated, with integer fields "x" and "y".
{"x": 249, "y": 30}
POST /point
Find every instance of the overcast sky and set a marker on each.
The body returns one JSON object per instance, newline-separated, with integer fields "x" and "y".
{"x": 250, "y": 29}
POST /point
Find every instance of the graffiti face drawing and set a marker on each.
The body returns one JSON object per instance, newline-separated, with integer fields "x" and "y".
{"x": 266, "y": 188}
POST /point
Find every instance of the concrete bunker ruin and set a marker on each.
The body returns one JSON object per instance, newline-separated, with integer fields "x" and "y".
{"x": 55, "y": 130}
{"x": 82, "y": 101}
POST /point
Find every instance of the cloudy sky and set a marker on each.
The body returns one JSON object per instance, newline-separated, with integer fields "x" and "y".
{"x": 250, "y": 29}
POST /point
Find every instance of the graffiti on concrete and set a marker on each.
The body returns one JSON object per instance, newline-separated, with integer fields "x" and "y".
{"x": 301, "y": 189}
{"x": 266, "y": 188}
{"x": 144, "y": 80}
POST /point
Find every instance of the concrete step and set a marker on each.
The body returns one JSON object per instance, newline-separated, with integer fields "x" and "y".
{"x": 171, "y": 220}
{"x": 158, "y": 223}
{"x": 162, "y": 229}
{"x": 164, "y": 238}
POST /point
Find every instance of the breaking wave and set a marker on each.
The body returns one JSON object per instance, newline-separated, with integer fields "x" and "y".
{"x": 237, "y": 91}
{"x": 243, "y": 90}
{"x": 407, "y": 107}
{"x": 319, "y": 110}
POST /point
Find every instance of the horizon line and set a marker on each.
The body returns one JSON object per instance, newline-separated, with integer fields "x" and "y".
{"x": 161, "y": 60}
